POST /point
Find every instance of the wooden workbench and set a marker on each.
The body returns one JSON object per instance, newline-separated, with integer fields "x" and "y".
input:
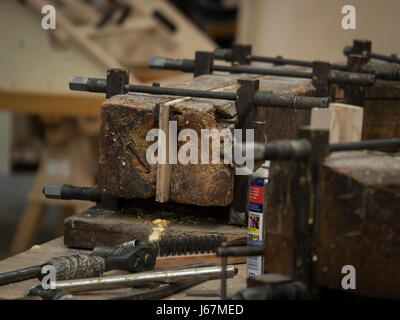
{"x": 42, "y": 253}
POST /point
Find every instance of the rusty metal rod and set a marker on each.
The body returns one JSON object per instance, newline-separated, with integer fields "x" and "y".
{"x": 261, "y": 98}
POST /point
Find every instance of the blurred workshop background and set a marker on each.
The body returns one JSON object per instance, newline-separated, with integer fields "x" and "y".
{"x": 50, "y": 135}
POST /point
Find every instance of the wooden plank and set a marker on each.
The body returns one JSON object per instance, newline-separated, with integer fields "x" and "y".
{"x": 45, "y": 103}
{"x": 164, "y": 171}
{"x": 137, "y": 25}
{"x": 81, "y": 39}
{"x": 96, "y": 227}
{"x": 28, "y": 227}
{"x": 178, "y": 261}
{"x": 343, "y": 121}
{"x": 83, "y": 10}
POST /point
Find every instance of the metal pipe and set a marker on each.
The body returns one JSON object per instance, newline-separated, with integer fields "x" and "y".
{"x": 263, "y": 71}
{"x": 128, "y": 280}
{"x": 69, "y": 192}
{"x": 351, "y": 50}
{"x": 19, "y": 275}
{"x": 292, "y": 62}
{"x": 382, "y": 57}
{"x": 300, "y": 149}
{"x": 334, "y": 76}
{"x": 240, "y": 251}
{"x": 226, "y": 54}
{"x": 365, "y": 145}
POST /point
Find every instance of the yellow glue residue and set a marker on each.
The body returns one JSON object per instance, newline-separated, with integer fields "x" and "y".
{"x": 159, "y": 230}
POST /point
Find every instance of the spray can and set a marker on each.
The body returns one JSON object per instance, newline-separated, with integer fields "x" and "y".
{"x": 256, "y": 209}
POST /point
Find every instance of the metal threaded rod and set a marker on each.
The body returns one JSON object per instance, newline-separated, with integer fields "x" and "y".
{"x": 300, "y": 149}
{"x": 261, "y": 98}
{"x": 170, "y": 246}
{"x": 187, "y": 244}
{"x": 382, "y": 57}
{"x": 393, "y": 59}
{"x": 334, "y": 76}
{"x": 226, "y": 54}
{"x": 263, "y": 71}
{"x": 292, "y": 62}
{"x": 365, "y": 145}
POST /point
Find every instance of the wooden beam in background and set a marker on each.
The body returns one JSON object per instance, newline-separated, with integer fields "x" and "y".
{"x": 62, "y": 104}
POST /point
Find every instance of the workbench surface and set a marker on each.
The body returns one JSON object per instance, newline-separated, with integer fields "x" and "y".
{"x": 41, "y": 253}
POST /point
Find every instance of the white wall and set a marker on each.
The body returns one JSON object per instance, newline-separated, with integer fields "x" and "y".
{"x": 311, "y": 29}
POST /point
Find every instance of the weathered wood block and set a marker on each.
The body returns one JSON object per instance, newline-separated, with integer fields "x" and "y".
{"x": 283, "y": 123}
{"x": 97, "y": 227}
{"x": 382, "y": 110}
{"x": 359, "y": 221}
{"x": 126, "y": 119}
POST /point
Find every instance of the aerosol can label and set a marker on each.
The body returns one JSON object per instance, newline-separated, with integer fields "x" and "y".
{"x": 255, "y": 224}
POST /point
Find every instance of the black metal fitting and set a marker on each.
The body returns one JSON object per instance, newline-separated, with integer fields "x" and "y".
{"x": 237, "y": 54}
{"x": 69, "y": 192}
{"x": 363, "y": 47}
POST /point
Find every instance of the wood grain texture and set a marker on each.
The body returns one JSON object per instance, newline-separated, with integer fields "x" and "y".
{"x": 123, "y": 170}
{"x": 382, "y": 111}
{"x": 360, "y": 219}
{"x": 98, "y": 227}
{"x": 343, "y": 121}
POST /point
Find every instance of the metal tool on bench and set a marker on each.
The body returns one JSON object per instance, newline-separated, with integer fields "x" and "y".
{"x": 241, "y": 54}
{"x": 151, "y": 292}
{"x": 322, "y": 75}
{"x": 129, "y": 280}
{"x": 234, "y": 251}
{"x": 363, "y": 47}
{"x": 130, "y": 256}
{"x": 134, "y": 259}
{"x": 301, "y": 148}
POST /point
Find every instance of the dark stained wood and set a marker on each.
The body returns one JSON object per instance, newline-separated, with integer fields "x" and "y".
{"x": 305, "y": 193}
{"x": 126, "y": 119}
{"x": 360, "y": 222}
{"x": 359, "y": 219}
{"x": 291, "y": 217}
{"x": 382, "y": 111}
{"x": 283, "y": 123}
{"x": 98, "y": 227}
